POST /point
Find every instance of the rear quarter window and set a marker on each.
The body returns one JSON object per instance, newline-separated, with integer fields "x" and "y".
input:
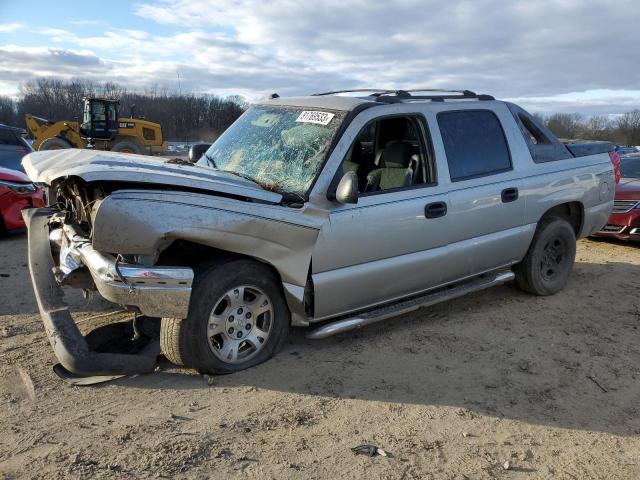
{"x": 474, "y": 143}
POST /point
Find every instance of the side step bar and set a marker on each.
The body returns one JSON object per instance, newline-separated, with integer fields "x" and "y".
{"x": 406, "y": 306}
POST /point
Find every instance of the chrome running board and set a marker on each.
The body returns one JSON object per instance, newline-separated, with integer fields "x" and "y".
{"x": 406, "y": 306}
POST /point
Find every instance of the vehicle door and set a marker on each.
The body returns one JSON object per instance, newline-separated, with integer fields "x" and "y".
{"x": 486, "y": 202}
{"x": 392, "y": 243}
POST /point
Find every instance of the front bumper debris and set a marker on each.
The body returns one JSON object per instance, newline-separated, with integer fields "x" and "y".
{"x": 68, "y": 344}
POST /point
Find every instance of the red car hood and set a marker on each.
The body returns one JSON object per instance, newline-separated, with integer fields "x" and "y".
{"x": 13, "y": 176}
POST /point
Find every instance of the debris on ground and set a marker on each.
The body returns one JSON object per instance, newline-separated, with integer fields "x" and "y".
{"x": 369, "y": 450}
{"x": 597, "y": 383}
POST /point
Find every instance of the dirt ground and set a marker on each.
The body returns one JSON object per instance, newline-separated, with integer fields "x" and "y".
{"x": 498, "y": 384}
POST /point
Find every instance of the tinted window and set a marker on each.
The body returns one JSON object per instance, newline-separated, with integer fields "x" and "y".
{"x": 7, "y": 137}
{"x": 11, "y": 160}
{"x": 630, "y": 167}
{"x": 474, "y": 143}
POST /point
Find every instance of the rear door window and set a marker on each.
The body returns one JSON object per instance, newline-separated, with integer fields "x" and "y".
{"x": 474, "y": 142}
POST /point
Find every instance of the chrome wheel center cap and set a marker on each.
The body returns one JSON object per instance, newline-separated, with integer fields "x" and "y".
{"x": 240, "y": 323}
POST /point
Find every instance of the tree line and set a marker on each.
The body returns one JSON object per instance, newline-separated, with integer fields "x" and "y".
{"x": 623, "y": 129}
{"x": 191, "y": 117}
{"x": 183, "y": 116}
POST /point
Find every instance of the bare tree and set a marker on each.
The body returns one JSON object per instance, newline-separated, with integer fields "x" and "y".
{"x": 8, "y": 111}
{"x": 598, "y": 127}
{"x": 183, "y": 117}
{"x": 629, "y": 126}
{"x": 565, "y": 125}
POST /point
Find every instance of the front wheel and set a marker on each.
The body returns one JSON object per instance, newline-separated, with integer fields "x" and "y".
{"x": 546, "y": 268}
{"x": 128, "y": 146}
{"x": 55, "y": 143}
{"x": 237, "y": 319}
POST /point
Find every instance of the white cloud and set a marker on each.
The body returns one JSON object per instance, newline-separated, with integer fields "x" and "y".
{"x": 532, "y": 51}
{"x": 9, "y": 27}
{"x": 517, "y": 48}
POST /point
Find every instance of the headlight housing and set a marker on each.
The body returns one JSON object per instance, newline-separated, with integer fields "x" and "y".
{"x": 19, "y": 188}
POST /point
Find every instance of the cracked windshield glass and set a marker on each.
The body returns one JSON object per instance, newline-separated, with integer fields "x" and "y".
{"x": 279, "y": 148}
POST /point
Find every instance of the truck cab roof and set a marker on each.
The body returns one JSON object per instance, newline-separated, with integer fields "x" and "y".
{"x": 371, "y": 97}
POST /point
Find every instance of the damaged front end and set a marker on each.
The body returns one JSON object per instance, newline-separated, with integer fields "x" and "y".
{"x": 61, "y": 254}
{"x": 155, "y": 291}
{"x": 135, "y": 230}
{"x": 69, "y": 345}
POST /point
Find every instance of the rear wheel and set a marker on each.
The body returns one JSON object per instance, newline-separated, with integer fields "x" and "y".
{"x": 237, "y": 319}
{"x": 547, "y": 266}
{"x": 128, "y": 146}
{"x": 55, "y": 143}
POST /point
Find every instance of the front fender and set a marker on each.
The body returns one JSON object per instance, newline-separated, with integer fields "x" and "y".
{"x": 144, "y": 222}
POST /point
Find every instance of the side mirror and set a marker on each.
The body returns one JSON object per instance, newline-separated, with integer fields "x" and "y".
{"x": 196, "y": 151}
{"x": 347, "y": 191}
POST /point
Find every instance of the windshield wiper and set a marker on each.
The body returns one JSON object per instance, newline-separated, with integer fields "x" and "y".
{"x": 242, "y": 175}
{"x": 210, "y": 161}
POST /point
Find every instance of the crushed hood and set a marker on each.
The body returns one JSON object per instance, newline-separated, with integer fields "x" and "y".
{"x": 96, "y": 165}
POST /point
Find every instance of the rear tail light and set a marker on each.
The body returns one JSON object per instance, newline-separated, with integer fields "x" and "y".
{"x": 615, "y": 159}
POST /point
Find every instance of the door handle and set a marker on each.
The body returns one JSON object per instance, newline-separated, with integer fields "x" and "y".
{"x": 435, "y": 210}
{"x": 509, "y": 195}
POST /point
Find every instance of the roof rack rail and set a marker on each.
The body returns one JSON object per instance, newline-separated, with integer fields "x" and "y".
{"x": 402, "y": 95}
{"x": 397, "y": 96}
{"x": 355, "y": 90}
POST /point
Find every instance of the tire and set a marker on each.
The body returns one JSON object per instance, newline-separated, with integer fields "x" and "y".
{"x": 55, "y": 143}
{"x": 128, "y": 146}
{"x": 228, "y": 300}
{"x": 547, "y": 265}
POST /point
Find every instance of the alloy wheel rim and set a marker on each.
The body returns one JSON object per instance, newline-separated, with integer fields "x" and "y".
{"x": 240, "y": 324}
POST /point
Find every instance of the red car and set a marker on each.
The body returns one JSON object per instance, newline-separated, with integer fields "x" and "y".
{"x": 16, "y": 192}
{"x": 624, "y": 223}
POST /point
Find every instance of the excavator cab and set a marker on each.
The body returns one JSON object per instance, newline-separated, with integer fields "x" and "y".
{"x": 100, "y": 118}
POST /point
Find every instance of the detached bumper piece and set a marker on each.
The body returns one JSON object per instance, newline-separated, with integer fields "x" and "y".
{"x": 69, "y": 345}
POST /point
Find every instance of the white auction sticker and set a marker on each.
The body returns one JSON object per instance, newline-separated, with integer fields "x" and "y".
{"x": 321, "y": 118}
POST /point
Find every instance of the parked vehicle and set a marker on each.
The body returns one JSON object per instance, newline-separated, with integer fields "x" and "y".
{"x": 624, "y": 223}
{"x": 16, "y": 193}
{"x": 101, "y": 128}
{"x": 323, "y": 211}
{"x": 622, "y": 150}
{"x": 12, "y": 147}
{"x": 197, "y": 150}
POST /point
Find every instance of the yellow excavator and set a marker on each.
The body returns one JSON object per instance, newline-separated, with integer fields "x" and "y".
{"x": 100, "y": 129}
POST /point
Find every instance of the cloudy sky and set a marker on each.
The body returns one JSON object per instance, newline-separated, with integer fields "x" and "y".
{"x": 569, "y": 56}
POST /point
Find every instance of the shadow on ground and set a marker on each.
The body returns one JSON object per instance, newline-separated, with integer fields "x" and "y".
{"x": 570, "y": 361}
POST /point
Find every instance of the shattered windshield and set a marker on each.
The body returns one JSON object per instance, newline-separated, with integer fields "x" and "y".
{"x": 280, "y": 148}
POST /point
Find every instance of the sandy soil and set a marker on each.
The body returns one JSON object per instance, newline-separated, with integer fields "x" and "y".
{"x": 549, "y": 385}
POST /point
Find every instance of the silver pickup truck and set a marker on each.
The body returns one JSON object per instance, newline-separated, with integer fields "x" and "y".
{"x": 327, "y": 211}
